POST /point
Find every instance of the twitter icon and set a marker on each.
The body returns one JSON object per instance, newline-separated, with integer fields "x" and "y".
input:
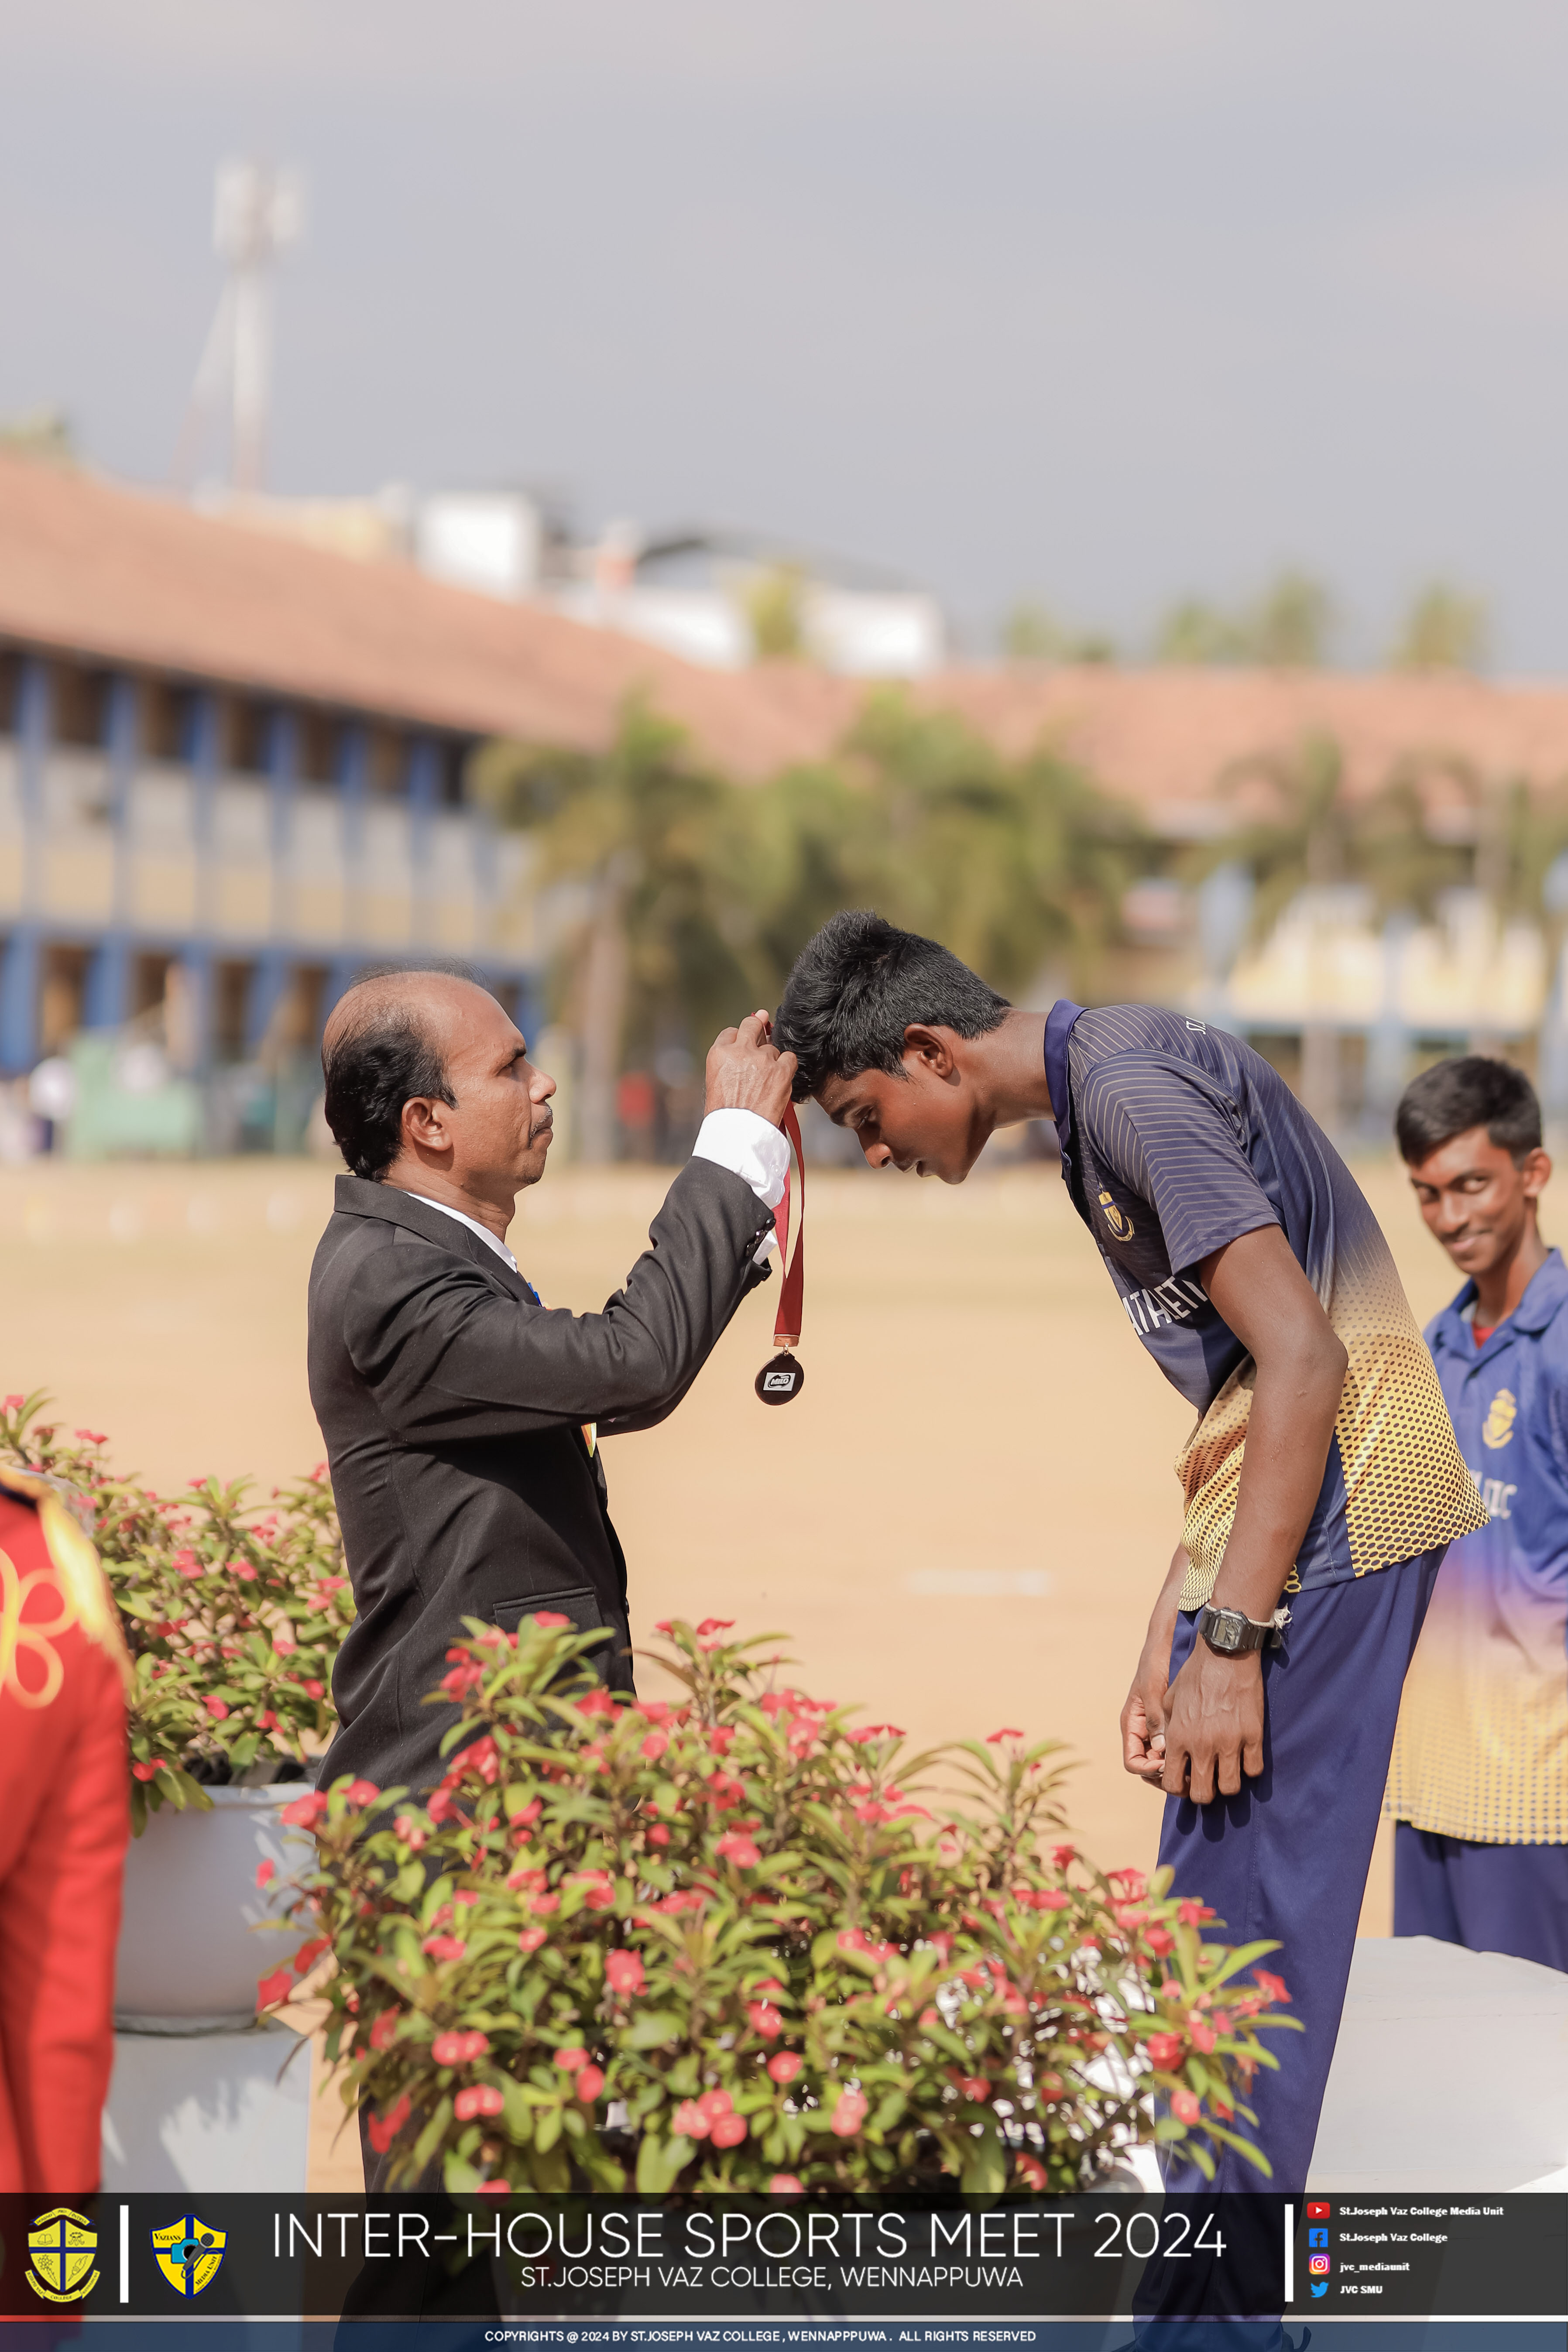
{"x": 1319, "y": 2286}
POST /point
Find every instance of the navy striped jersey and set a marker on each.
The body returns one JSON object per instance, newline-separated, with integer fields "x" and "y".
{"x": 1177, "y": 1139}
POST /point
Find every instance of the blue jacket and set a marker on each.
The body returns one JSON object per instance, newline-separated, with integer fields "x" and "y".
{"x": 1482, "y": 1748}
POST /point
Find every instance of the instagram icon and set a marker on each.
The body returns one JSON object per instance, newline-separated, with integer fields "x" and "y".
{"x": 1319, "y": 2266}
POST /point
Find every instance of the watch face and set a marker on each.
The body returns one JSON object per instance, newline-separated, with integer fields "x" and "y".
{"x": 1224, "y": 1630}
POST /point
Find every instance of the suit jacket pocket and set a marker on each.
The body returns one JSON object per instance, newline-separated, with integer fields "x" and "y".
{"x": 611, "y": 1663}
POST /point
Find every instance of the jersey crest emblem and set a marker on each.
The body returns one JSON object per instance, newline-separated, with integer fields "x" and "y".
{"x": 1120, "y": 1224}
{"x": 189, "y": 2253}
{"x": 1498, "y": 1427}
{"x": 63, "y": 2245}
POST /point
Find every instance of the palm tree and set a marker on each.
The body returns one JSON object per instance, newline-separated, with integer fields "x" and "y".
{"x": 1444, "y": 629}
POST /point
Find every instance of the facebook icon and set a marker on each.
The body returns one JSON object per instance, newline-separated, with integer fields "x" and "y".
{"x": 1317, "y": 2237}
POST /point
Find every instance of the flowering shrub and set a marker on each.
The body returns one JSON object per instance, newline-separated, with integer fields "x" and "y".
{"x": 725, "y": 1945}
{"x": 233, "y": 1612}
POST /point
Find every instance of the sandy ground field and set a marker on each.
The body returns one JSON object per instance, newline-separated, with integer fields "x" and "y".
{"x": 961, "y": 1522}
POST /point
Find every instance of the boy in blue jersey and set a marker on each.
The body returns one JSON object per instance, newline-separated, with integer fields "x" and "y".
{"x": 1249, "y": 1265}
{"x": 1478, "y": 1786}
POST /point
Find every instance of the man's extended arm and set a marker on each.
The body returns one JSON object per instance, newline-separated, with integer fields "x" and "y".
{"x": 1212, "y": 1714}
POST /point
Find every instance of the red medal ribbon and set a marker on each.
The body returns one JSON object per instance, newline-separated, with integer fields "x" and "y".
{"x": 789, "y": 1224}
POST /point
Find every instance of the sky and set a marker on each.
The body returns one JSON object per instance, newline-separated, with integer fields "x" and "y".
{"x": 1098, "y": 304}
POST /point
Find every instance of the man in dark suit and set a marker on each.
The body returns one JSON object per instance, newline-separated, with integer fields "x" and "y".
{"x": 459, "y": 1411}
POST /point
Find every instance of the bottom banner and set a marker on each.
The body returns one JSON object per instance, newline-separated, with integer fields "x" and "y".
{"x": 954, "y": 2272}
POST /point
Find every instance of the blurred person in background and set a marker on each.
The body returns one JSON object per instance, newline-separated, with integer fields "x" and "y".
{"x": 1321, "y": 1482}
{"x": 1478, "y": 1786}
{"x": 65, "y": 1821}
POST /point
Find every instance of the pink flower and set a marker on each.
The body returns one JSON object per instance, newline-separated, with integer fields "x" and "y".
{"x": 15, "y": 1404}
{"x": 786, "y": 2184}
{"x": 305, "y": 1812}
{"x": 478, "y": 2099}
{"x": 1062, "y": 1854}
{"x": 243, "y": 1570}
{"x": 570, "y": 2061}
{"x": 729, "y": 2131}
{"x": 551, "y": 1620}
{"x": 849, "y": 2114}
{"x": 384, "y": 2032}
{"x": 413, "y": 1835}
{"x": 543, "y": 1904}
{"x": 273, "y": 1989}
{"x": 1033, "y": 2171}
{"x": 737, "y": 1848}
{"x": 624, "y": 1973}
{"x": 690, "y": 2122}
{"x": 453, "y": 2049}
{"x": 1193, "y": 1915}
{"x": 217, "y": 1708}
{"x": 1271, "y": 1986}
{"x": 992, "y": 1738}
{"x": 765, "y": 2019}
{"x": 659, "y": 1834}
{"x": 1165, "y": 2048}
{"x": 188, "y": 1564}
{"x": 654, "y": 1746}
{"x": 715, "y": 2104}
{"x": 283, "y": 1641}
{"x": 526, "y": 1815}
{"x": 1161, "y": 1940}
{"x": 1184, "y": 2108}
{"x": 784, "y": 2066}
{"x": 384, "y": 2129}
{"x": 307, "y": 1956}
{"x": 714, "y": 1625}
{"x": 312, "y": 1690}
{"x": 664, "y": 1626}
{"x": 361, "y": 1792}
{"x": 266, "y": 1872}
{"x": 531, "y": 1939}
{"x": 443, "y": 1947}
{"x": 590, "y": 2083}
{"x": 145, "y": 1771}
{"x": 495, "y": 2188}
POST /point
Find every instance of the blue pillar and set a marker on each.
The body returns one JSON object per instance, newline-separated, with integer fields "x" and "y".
{"x": 283, "y": 776}
{"x": 19, "y": 969}
{"x": 352, "y": 765}
{"x": 106, "y": 996}
{"x": 270, "y": 978}
{"x": 196, "y": 963}
{"x": 424, "y": 793}
{"x": 122, "y": 741}
{"x": 35, "y": 727}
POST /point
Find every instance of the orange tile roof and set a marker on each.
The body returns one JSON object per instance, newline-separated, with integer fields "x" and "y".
{"x": 122, "y": 576}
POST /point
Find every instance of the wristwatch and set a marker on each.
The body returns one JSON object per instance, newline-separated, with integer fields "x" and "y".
{"x": 1231, "y": 1631}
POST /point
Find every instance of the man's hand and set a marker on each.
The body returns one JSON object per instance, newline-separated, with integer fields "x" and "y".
{"x": 745, "y": 1072}
{"x": 1213, "y": 1725}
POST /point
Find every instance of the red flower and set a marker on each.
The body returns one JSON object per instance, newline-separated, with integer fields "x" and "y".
{"x": 312, "y": 1690}
{"x": 739, "y": 1849}
{"x": 217, "y": 1708}
{"x": 654, "y": 1746}
{"x": 664, "y": 1626}
{"x": 531, "y": 1939}
{"x": 659, "y": 1834}
{"x": 569, "y": 2061}
{"x": 786, "y": 2184}
{"x": 15, "y": 1403}
{"x": 624, "y": 1973}
{"x": 729, "y": 2131}
{"x": 850, "y": 2113}
{"x": 441, "y": 1807}
{"x": 543, "y": 1904}
{"x": 361, "y": 1792}
{"x": 443, "y": 1947}
{"x": 1161, "y": 1940}
{"x": 521, "y": 1878}
{"x": 1193, "y": 1915}
{"x": 266, "y": 1872}
{"x": 1050, "y": 1898}
{"x": 690, "y": 2121}
{"x": 784, "y": 2066}
{"x": 305, "y": 1812}
{"x": 1033, "y": 2172}
{"x": 1203, "y": 2035}
{"x": 765, "y": 2020}
{"x": 1271, "y": 1986}
{"x": 384, "y": 2129}
{"x": 1184, "y": 2108}
{"x": 274, "y": 1989}
{"x": 590, "y": 2083}
{"x": 525, "y": 1817}
{"x": 550, "y": 1619}
{"x": 1165, "y": 2048}
{"x": 453, "y": 2049}
{"x": 992, "y": 1738}
{"x": 715, "y": 1625}
{"x": 384, "y": 2032}
{"x": 715, "y": 2104}
{"x": 478, "y": 2099}
{"x": 145, "y": 1771}
{"x": 188, "y": 1564}
{"x": 495, "y": 2188}
{"x": 410, "y": 1830}
{"x": 307, "y": 1956}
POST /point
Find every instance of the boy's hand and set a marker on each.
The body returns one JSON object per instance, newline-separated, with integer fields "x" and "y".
{"x": 1143, "y": 1716}
{"x": 1213, "y": 1725}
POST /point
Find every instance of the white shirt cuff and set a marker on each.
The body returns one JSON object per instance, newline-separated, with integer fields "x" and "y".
{"x": 751, "y": 1147}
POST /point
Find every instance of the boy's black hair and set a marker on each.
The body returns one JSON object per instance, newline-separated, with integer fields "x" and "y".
{"x": 1472, "y": 1090}
{"x": 859, "y": 985}
{"x": 380, "y": 1063}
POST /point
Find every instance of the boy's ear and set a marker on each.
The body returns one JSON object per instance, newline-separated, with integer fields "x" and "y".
{"x": 931, "y": 1049}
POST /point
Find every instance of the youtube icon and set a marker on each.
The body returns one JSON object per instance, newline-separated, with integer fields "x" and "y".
{"x": 1316, "y": 2209}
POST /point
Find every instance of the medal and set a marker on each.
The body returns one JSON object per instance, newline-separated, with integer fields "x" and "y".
{"x": 782, "y": 1377}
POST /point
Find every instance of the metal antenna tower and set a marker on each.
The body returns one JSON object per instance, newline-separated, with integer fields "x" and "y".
{"x": 257, "y": 213}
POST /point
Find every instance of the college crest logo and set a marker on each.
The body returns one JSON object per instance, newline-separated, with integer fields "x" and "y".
{"x": 189, "y": 2252}
{"x": 62, "y": 2245}
{"x": 1498, "y": 1426}
{"x": 1121, "y": 1225}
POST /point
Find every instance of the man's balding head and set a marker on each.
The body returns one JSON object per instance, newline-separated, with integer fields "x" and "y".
{"x": 429, "y": 1088}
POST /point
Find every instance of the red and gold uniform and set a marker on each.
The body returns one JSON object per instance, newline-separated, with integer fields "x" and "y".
{"x": 64, "y": 1825}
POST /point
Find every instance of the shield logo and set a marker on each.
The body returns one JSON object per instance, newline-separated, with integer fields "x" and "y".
{"x": 1121, "y": 1224}
{"x": 188, "y": 2254}
{"x": 62, "y": 2245}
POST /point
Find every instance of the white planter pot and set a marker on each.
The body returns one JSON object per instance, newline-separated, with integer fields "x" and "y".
{"x": 189, "y": 1949}
{"x": 208, "y": 2112}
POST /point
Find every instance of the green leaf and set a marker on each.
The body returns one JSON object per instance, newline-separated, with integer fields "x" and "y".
{"x": 660, "y": 2164}
{"x": 985, "y": 2166}
{"x": 655, "y": 2029}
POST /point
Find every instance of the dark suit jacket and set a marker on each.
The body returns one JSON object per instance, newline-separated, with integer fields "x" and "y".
{"x": 452, "y": 1405}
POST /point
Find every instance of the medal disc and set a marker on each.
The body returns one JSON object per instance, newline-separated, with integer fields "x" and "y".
{"x": 780, "y": 1380}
